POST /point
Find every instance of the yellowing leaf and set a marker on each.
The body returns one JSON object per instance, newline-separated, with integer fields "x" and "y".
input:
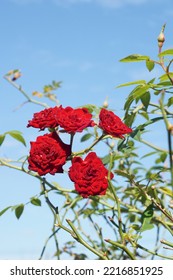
{"x": 37, "y": 93}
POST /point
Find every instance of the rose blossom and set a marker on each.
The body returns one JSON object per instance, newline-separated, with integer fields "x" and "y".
{"x": 74, "y": 120}
{"x": 48, "y": 154}
{"x": 89, "y": 175}
{"x": 112, "y": 124}
{"x": 45, "y": 118}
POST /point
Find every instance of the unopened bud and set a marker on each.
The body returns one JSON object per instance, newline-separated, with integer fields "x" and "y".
{"x": 161, "y": 37}
{"x": 16, "y": 76}
{"x": 105, "y": 103}
{"x": 170, "y": 128}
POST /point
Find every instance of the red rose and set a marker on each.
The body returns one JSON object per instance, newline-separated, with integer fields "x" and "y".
{"x": 48, "y": 154}
{"x": 45, "y": 118}
{"x": 74, "y": 120}
{"x": 89, "y": 175}
{"x": 112, "y": 124}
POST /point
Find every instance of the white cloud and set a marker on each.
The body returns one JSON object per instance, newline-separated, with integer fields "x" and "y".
{"x": 67, "y": 3}
{"x": 118, "y": 3}
{"x": 104, "y": 3}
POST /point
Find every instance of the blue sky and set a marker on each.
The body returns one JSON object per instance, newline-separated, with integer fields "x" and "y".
{"x": 80, "y": 43}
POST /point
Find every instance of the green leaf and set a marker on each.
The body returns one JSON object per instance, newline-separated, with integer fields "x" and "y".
{"x": 56, "y": 84}
{"x": 170, "y": 101}
{"x": 2, "y": 137}
{"x": 17, "y": 135}
{"x": 148, "y": 213}
{"x": 146, "y": 226}
{"x": 135, "y": 95}
{"x": 91, "y": 108}
{"x": 135, "y": 58}
{"x": 106, "y": 159}
{"x": 166, "y": 52}
{"x": 166, "y": 191}
{"x": 161, "y": 85}
{"x": 151, "y": 121}
{"x": 150, "y": 65}
{"x": 146, "y": 99}
{"x": 138, "y": 82}
{"x": 130, "y": 119}
{"x": 86, "y": 137}
{"x": 4, "y": 210}
{"x": 149, "y": 154}
{"x": 140, "y": 91}
{"x": 165, "y": 77}
{"x": 19, "y": 210}
{"x": 136, "y": 134}
{"x": 145, "y": 115}
{"x": 146, "y": 218}
{"x": 35, "y": 201}
{"x": 124, "y": 174}
{"x": 163, "y": 156}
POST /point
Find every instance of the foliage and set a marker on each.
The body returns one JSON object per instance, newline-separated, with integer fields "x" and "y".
{"x": 138, "y": 200}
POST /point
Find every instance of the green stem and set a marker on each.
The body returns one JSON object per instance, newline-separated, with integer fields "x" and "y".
{"x": 163, "y": 210}
{"x": 116, "y": 198}
{"x": 55, "y": 186}
{"x": 90, "y": 147}
{"x": 78, "y": 237}
{"x": 170, "y": 156}
{"x": 161, "y": 102}
{"x": 123, "y": 247}
{"x": 167, "y": 243}
{"x": 118, "y": 210}
{"x": 153, "y": 146}
{"x": 71, "y": 140}
{"x": 153, "y": 253}
{"x": 46, "y": 242}
{"x": 167, "y": 125}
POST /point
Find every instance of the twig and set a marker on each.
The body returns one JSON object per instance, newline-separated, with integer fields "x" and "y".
{"x": 29, "y": 99}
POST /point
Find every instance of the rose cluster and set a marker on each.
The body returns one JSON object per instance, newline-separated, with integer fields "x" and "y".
{"x": 49, "y": 153}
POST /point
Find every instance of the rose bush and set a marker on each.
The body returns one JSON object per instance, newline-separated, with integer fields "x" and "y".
{"x": 89, "y": 175}
{"x": 126, "y": 197}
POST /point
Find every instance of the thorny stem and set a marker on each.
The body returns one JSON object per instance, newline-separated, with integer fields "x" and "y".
{"x": 152, "y": 253}
{"x": 161, "y": 102}
{"x": 78, "y": 237}
{"x": 56, "y": 212}
{"x": 123, "y": 247}
{"x": 24, "y": 93}
{"x": 90, "y": 147}
{"x": 170, "y": 156}
{"x": 116, "y": 199}
{"x": 153, "y": 146}
{"x": 163, "y": 210}
{"x": 167, "y": 243}
{"x": 167, "y": 125}
{"x": 46, "y": 242}
{"x": 55, "y": 186}
{"x": 74, "y": 233}
{"x": 118, "y": 210}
